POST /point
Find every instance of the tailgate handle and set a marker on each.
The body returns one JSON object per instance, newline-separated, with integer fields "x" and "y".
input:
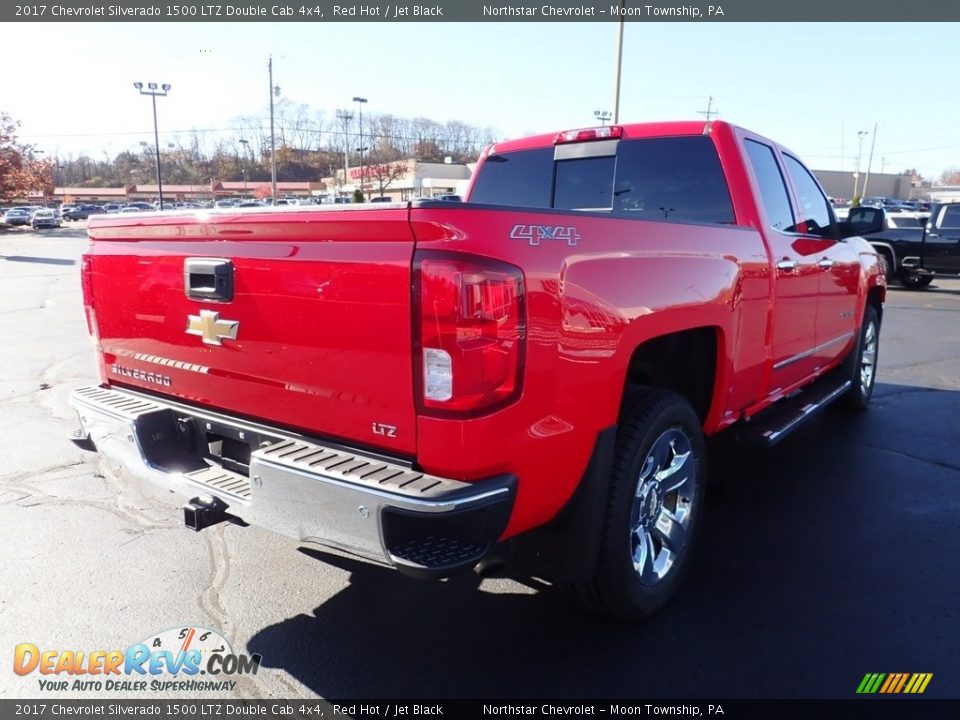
{"x": 208, "y": 278}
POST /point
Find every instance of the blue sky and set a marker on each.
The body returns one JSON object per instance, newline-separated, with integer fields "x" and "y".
{"x": 808, "y": 86}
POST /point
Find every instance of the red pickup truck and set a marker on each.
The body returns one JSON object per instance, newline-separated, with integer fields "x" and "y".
{"x": 528, "y": 374}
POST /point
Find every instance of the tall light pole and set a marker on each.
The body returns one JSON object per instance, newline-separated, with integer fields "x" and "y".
{"x": 856, "y": 174}
{"x": 153, "y": 92}
{"x": 274, "y": 92}
{"x": 360, "y": 103}
{"x": 602, "y": 116}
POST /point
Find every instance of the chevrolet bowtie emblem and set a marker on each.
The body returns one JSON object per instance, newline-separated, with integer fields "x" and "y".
{"x": 211, "y": 328}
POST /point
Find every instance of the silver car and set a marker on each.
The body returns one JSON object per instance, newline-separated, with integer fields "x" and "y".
{"x": 17, "y": 216}
{"x": 45, "y": 217}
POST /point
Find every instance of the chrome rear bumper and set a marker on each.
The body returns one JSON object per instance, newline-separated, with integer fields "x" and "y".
{"x": 310, "y": 490}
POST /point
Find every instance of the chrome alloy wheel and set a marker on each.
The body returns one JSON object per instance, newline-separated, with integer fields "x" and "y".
{"x": 662, "y": 506}
{"x": 868, "y": 358}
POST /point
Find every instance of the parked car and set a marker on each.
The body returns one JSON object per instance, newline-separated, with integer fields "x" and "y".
{"x": 17, "y": 216}
{"x": 111, "y": 208}
{"x": 448, "y": 198}
{"x": 45, "y": 218}
{"x": 144, "y": 206}
{"x": 81, "y": 212}
{"x": 132, "y": 209}
{"x": 382, "y": 199}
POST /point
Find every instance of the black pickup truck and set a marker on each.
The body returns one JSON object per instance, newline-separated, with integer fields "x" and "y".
{"x": 914, "y": 255}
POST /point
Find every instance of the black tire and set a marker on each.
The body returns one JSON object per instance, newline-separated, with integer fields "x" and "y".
{"x": 864, "y": 355}
{"x": 656, "y": 426}
{"x": 911, "y": 281}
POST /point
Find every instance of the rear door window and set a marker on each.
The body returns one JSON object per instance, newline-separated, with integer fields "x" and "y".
{"x": 773, "y": 189}
{"x": 951, "y": 217}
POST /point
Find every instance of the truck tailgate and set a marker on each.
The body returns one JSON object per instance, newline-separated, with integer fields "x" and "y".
{"x": 316, "y": 335}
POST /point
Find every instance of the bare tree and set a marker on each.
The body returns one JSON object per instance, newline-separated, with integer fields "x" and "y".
{"x": 950, "y": 176}
{"x": 384, "y": 170}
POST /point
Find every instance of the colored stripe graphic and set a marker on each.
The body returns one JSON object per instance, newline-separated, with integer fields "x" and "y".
{"x": 894, "y": 683}
{"x": 903, "y": 679}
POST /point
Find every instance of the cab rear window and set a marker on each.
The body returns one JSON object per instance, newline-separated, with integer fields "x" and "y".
{"x": 674, "y": 179}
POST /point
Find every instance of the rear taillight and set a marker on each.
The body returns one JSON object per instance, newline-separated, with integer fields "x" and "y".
{"x": 86, "y": 285}
{"x": 471, "y": 333}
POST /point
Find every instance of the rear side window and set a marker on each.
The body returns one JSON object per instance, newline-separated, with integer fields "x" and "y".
{"x": 523, "y": 178}
{"x": 677, "y": 178}
{"x": 951, "y": 216}
{"x": 773, "y": 190}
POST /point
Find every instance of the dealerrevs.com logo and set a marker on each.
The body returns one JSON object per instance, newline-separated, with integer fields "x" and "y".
{"x": 187, "y": 659}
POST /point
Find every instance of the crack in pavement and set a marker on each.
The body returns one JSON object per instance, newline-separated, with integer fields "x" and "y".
{"x": 15, "y": 477}
{"x": 117, "y": 504}
{"x": 210, "y": 599}
{"x": 926, "y": 461}
{"x": 220, "y": 567}
{"x": 919, "y": 363}
{"x": 906, "y": 391}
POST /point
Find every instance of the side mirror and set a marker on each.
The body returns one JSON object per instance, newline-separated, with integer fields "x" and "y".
{"x": 863, "y": 221}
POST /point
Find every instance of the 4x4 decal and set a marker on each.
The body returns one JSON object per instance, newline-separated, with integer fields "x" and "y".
{"x": 535, "y": 233}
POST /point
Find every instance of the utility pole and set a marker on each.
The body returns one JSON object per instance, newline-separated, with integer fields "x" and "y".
{"x": 345, "y": 117}
{"x": 856, "y": 173}
{"x": 873, "y": 142}
{"x": 273, "y": 142}
{"x": 709, "y": 112}
{"x": 616, "y": 68}
{"x": 842, "y": 129}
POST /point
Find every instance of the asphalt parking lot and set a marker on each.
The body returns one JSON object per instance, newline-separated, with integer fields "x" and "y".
{"x": 834, "y": 555}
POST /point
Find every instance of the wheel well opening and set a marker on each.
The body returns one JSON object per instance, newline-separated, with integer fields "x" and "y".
{"x": 685, "y": 362}
{"x": 886, "y": 253}
{"x": 875, "y": 297}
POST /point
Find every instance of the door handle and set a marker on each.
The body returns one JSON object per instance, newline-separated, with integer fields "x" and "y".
{"x": 826, "y": 263}
{"x": 787, "y": 265}
{"x": 208, "y": 279}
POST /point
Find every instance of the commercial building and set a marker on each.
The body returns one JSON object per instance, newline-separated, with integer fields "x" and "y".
{"x": 404, "y": 179}
{"x": 839, "y": 184}
{"x": 400, "y": 180}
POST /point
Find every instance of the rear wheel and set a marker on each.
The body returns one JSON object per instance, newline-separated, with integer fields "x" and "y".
{"x": 656, "y": 492}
